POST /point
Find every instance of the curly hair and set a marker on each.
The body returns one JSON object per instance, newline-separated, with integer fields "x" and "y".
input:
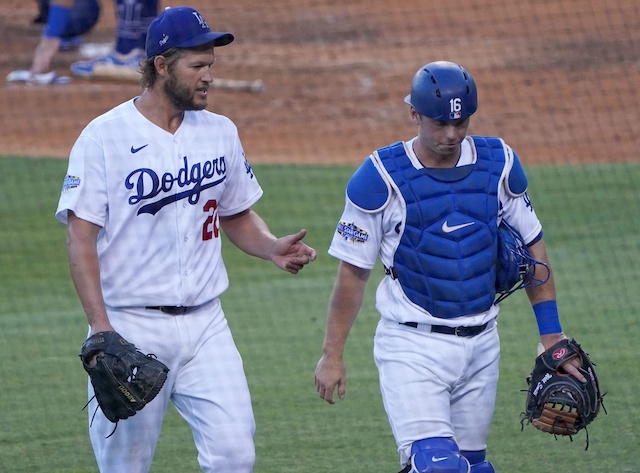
{"x": 148, "y": 69}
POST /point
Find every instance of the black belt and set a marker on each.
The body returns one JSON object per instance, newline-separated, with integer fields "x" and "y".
{"x": 171, "y": 309}
{"x": 458, "y": 331}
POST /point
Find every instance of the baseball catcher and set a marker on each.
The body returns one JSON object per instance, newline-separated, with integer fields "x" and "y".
{"x": 557, "y": 402}
{"x": 124, "y": 379}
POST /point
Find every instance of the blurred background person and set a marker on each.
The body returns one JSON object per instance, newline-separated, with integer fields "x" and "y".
{"x": 133, "y": 18}
{"x": 65, "y": 23}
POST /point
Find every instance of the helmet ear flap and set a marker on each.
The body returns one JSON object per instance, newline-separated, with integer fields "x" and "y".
{"x": 516, "y": 268}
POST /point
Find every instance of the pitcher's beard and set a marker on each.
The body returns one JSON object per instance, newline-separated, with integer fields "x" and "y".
{"x": 180, "y": 96}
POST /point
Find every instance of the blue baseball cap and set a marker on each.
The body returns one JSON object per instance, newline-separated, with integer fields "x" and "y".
{"x": 181, "y": 27}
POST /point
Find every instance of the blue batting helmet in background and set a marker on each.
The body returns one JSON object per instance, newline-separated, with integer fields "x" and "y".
{"x": 443, "y": 90}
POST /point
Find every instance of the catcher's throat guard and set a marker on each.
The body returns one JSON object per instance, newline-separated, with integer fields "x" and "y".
{"x": 516, "y": 268}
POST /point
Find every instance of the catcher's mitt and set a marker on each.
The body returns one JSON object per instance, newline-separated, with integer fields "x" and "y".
{"x": 557, "y": 402}
{"x": 124, "y": 379}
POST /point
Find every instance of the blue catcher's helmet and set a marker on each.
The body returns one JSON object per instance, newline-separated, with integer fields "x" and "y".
{"x": 444, "y": 91}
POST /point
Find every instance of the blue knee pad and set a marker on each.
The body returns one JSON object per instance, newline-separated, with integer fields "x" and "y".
{"x": 477, "y": 460}
{"x": 438, "y": 455}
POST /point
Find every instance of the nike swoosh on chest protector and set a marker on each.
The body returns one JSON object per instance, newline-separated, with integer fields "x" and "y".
{"x": 447, "y": 229}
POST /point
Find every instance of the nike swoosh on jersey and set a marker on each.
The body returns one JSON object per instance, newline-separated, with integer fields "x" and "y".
{"x": 135, "y": 150}
{"x": 447, "y": 229}
{"x": 435, "y": 459}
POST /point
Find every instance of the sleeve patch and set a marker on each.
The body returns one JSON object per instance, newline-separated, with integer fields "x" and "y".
{"x": 70, "y": 182}
{"x": 351, "y": 233}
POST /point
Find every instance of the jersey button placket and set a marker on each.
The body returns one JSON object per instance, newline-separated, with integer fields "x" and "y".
{"x": 182, "y": 213}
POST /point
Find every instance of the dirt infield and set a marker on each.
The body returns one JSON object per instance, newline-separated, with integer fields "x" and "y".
{"x": 558, "y": 80}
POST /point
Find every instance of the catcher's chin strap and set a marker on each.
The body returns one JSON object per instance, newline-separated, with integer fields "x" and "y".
{"x": 94, "y": 416}
{"x": 560, "y": 423}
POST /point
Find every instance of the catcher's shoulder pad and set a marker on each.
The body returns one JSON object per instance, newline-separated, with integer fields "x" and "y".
{"x": 516, "y": 183}
{"x": 514, "y": 177}
{"x": 367, "y": 189}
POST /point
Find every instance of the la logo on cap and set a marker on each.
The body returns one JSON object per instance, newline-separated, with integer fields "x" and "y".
{"x": 203, "y": 23}
{"x": 174, "y": 28}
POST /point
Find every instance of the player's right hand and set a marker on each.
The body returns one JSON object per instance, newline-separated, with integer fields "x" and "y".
{"x": 331, "y": 372}
{"x": 291, "y": 254}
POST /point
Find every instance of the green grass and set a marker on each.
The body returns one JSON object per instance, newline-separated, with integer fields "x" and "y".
{"x": 592, "y": 232}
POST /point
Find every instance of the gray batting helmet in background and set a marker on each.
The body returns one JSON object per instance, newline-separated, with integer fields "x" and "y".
{"x": 443, "y": 90}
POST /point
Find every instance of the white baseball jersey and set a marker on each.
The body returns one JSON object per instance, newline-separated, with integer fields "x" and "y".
{"x": 131, "y": 178}
{"x": 378, "y": 238}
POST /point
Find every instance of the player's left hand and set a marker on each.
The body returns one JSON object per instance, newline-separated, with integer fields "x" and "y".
{"x": 557, "y": 403}
{"x": 291, "y": 254}
{"x": 571, "y": 367}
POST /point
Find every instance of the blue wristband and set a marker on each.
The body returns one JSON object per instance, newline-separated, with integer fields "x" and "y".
{"x": 547, "y": 317}
{"x": 57, "y": 21}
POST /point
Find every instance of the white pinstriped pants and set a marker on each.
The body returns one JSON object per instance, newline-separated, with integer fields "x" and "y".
{"x": 206, "y": 383}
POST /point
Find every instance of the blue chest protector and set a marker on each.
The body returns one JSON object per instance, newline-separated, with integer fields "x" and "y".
{"x": 446, "y": 258}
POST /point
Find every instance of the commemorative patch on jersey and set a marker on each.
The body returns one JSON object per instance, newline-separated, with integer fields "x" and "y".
{"x": 351, "y": 233}
{"x": 70, "y": 182}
